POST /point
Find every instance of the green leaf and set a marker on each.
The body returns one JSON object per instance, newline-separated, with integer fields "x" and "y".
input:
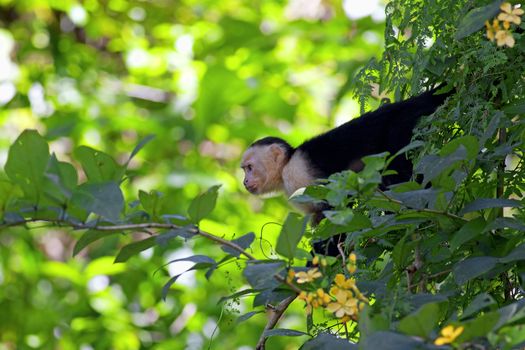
{"x": 325, "y": 341}
{"x": 98, "y": 166}
{"x": 63, "y": 176}
{"x": 26, "y": 163}
{"x": 401, "y": 252}
{"x": 478, "y": 327}
{"x": 261, "y": 276}
{"x": 471, "y": 268}
{"x": 244, "y": 242}
{"x": 104, "y": 199}
{"x": 89, "y": 237}
{"x": 515, "y": 107}
{"x": 150, "y": 201}
{"x": 432, "y": 166}
{"x": 479, "y": 303}
{"x": 291, "y": 233}
{"x": 469, "y": 231}
{"x": 139, "y": 146}
{"x": 134, "y": 248}
{"x": 202, "y": 205}
{"x": 470, "y": 143}
{"x": 475, "y": 19}
{"x": 500, "y": 223}
{"x": 272, "y": 295}
{"x": 247, "y": 316}
{"x": 517, "y": 254}
{"x": 283, "y": 333}
{"x": 237, "y": 295}
{"x": 339, "y": 217}
{"x": 421, "y": 322}
{"x": 391, "y": 341}
{"x": 486, "y": 203}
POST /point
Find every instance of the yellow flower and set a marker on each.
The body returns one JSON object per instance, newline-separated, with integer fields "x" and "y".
{"x": 290, "y": 276}
{"x": 303, "y": 295}
{"x": 504, "y": 37}
{"x": 344, "y": 283}
{"x": 351, "y": 268}
{"x": 308, "y": 276}
{"x": 510, "y": 14}
{"x": 490, "y": 31}
{"x": 448, "y": 335}
{"x": 352, "y": 257}
{"x": 345, "y": 304}
{"x": 324, "y": 262}
{"x": 315, "y": 260}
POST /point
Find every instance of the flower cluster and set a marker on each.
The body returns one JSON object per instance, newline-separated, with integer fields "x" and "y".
{"x": 348, "y": 299}
{"x": 509, "y": 15}
{"x": 343, "y": 299}
{"x": 448, "y": 335}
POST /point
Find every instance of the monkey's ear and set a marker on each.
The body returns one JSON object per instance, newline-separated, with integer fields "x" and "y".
{"x": 277, "y": 153}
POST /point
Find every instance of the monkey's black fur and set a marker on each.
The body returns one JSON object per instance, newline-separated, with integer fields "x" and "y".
{"x": 387, "y": 129}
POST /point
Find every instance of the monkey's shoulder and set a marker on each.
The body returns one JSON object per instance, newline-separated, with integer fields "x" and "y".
{"x": 297, "y": 173}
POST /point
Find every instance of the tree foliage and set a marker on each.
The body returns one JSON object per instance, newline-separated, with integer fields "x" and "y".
{"x": 431, "y": 263}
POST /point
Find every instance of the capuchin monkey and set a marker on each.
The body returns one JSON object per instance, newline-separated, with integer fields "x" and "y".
{"x": 271, "y": 164}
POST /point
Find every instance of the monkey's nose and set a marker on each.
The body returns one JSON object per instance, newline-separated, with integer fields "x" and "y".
{"x": 245, "y": 182}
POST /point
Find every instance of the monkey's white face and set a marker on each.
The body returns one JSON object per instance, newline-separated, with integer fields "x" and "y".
{"x": 262, "y": 167}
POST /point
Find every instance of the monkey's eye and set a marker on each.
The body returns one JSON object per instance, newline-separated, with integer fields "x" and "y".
{"x": 249, "y": 167}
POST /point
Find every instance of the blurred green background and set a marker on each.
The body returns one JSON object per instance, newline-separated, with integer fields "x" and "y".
{"x": 206, "y": 78}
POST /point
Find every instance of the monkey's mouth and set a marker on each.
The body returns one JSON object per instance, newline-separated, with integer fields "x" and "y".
{"x": 251, "y": 189}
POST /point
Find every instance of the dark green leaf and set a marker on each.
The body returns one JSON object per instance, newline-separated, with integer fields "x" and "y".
{"x": 200, "y": 259}
{"x": 471, "y": 268}
{"x": 516, "y": 107}
{"x": 339, "y": 217}
{"x": 469, "y": 231}
{"x": 432, "y": 166}
{"x": 291, "y": 233}
{"x": 500, "y": 223}
{"x": 325, "y": 341}
{"x": 247, "y": 316}
{"x": 283, "y": 333}
{"x": 244, "y": 242}
{"x": 139, "y": 146}
{"x": 485, "y": 203}
{"x": 202, "y": 205}
{"x": 479, "y": 303}
{"x": 470, "y": 143}
{"x": 183, "y": 232}
{"x": 62, "y": 175}
{"x": 421, "y": 322}
{"x": 238, "y": 294}
{"x": 89, "y": 237}
{"x": 104, "y": 199}
{"x": 261, "y": 276}
{"x": 134, "y": 248}
{"x": 517, "y": 254}
{"x": 391, "y": 341}
{"x": 272, "y": 296}
{"x": 26, "y": 163}
{"x": 98, "y": 166}
{"x": 475, "y": 19}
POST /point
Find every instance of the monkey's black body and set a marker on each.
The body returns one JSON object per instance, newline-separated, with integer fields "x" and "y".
{"x": 388, "y": 128}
